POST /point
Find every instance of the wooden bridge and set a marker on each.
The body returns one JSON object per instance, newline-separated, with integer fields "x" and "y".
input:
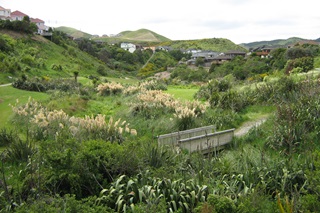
{"x": 203, "y": 139}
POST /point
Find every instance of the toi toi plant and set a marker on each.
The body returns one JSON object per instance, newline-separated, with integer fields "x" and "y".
{"x": 45, "y": 124}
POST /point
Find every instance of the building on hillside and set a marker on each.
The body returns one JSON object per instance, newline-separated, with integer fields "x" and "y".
{"x": 17, "y": 15}
{"x": 40, "y": 24}
{"x": 264, "y": 52}
{"x": 130, "y": 47}
{"x": 5, "y": 14}
{"x": 234, "y": 53}
{"x": 164, "y": 48}
{"x": 153, "y": 48}
{"x": 192, "y": 51}
{"x": 221, "y": 59}
{"x": 207, "y": 56}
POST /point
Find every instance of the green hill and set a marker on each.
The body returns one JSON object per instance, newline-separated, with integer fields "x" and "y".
{"x": 273, "y": 43}
{"x": 143, "y": 35}
{"x": 214, "y": 44}
{"x": 73, "y": 32}
{"x": 37, "y": 56}
{"x": 140, "y": 36}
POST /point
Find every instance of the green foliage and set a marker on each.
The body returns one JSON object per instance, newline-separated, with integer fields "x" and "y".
{"x": 124, "y": 193}
{"x": 219, "y": 204}
{"x": 19, "y": 150}
{"x": 297, "y": 52}
{"x": 67, "y": 203}
{"x": 216, "y": 44}
{"x": 7, "y": 137}
{"x": 304, "y": 63}
{"x": 24, "y": 26}
{"x": 185, "y": 73}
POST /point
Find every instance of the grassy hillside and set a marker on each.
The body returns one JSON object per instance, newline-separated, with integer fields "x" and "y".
{"x": 215, "y": 44}
{"x": 73, "y": 32}
{"x": 37, "y": 56}
{"x": 141, "y": 36}
{"x": 273, "y": 43}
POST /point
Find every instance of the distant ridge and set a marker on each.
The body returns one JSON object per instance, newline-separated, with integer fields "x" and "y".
{"x": 73, "y": 32}
{"x": 275, "y": 43}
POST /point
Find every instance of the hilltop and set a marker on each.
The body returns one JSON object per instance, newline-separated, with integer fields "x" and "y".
{"x": 276, "y": 42}
{"x": 73, "y": 32}
{"x": 214, "y": 44}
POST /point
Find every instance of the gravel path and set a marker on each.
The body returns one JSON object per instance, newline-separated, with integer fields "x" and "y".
{"x": 5, "y": 85}
{"x": 244, "y": 129}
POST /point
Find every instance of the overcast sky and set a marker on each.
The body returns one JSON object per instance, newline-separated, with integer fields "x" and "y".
{"x": 240, "y": 21}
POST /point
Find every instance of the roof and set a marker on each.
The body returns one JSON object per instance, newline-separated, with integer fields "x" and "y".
{"x": 222, "y": 57}
{"x": 36, "y": 20}
{"x": 235, "y": 52}
{"x": 18, "y": 13}
{"x": 1, "y": 8}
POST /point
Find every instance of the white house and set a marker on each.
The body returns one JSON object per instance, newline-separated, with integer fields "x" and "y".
{"x": 5, "y": 13}
{"x": 40, "y": 24}
{"x": 129, "y": 47}
{"x": 17, "y": 15}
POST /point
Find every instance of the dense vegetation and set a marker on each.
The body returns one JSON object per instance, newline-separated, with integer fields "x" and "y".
{"x": 214, "y": 44}
{"x": 24, "y": 26}
{"x": 91, "y": 147}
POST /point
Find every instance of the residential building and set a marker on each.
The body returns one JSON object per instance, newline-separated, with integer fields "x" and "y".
{"x": 40, "y": 24}
{"x": 17, "y": 15}
{"x": 130, "y": 47}
{"x": 5, "y": 14}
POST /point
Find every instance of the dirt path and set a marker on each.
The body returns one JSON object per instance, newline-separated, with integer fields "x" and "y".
{"x": 5, "y": 85}
{"x": 244, "y": 129}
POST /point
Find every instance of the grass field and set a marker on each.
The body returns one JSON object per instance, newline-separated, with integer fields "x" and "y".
{"x": 9, "y": 95}
{"x": 182, "y": 93}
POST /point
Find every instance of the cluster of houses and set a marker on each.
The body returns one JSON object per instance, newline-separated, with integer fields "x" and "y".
{"x": 6, "y": 14}
{"x": 207, "y": 56}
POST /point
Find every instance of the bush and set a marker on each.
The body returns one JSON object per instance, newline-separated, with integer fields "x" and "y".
{"x": 218, "y": 204}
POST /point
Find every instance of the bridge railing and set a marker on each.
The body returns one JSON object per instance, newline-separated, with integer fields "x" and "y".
{"x": 173, "y": 138}
{"x": 202, "y": 139}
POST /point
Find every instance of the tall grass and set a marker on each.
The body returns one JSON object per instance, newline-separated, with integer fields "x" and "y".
{"x": 8, "y": 95}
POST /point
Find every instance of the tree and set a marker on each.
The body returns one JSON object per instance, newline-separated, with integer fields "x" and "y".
{"x": 76, "y": 74}
{"x": 199, "y": 61}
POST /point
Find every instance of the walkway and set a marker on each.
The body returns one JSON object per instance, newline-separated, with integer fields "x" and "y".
{"x": 245, "y": 128}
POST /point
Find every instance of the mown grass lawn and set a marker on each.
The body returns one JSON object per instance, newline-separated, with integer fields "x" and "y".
{"x": 182, "y": 93}
{"x": 9, "y": 95}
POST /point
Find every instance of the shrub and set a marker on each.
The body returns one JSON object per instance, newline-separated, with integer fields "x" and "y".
{"x": 43, "y": 124}
{"x": 111, "y": 88}
{"x": 219, "y": 204}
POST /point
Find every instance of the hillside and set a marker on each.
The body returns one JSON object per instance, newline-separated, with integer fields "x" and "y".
{"x": 214, "y": 44}
{"x": 141, "y": 36}
{"x": 274, "y": 43}
{"x": 37, "y": 56}
{"x": 73, "y": 32}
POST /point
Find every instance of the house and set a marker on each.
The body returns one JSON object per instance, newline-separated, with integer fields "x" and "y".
{"x": 40, "y": 24}
{"x": 153, "y": 48}
{"x": 221, "y": 59}
{"x": 234, "y": 53}
{"x": 130, "y": 47}
{"x": 164, "y": 48}
{"x": 192, "y": 51}
{"x": 207, "y": 56}
{"x": 17, "y": 15}
{"x": 264, "y": 52}
{"x": 5, "y": 14}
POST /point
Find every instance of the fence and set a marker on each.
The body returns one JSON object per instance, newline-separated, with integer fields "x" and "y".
{"x": 203, "y": 139}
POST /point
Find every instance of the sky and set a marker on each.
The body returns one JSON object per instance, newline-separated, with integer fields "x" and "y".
{"x": 240, "y": 21}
